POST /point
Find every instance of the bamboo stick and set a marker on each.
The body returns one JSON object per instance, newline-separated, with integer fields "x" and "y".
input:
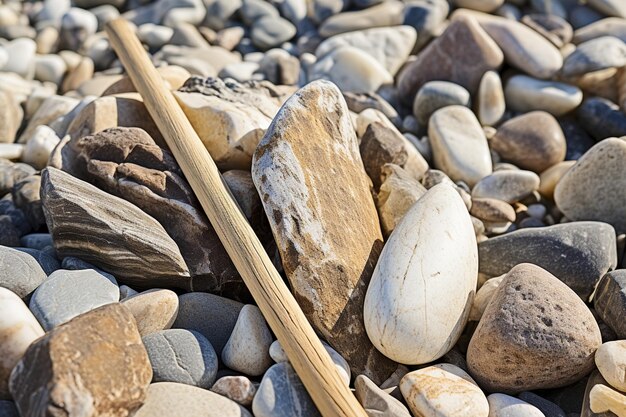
{"x": 304, "y": 350}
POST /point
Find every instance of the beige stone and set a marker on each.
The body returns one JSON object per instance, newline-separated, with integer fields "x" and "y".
{"x": 173, "y": 75}
{"x": 491, "y": 104}
{"x": 483, "y": 296}
{"x": 154, "y": 310}
{"x": 611, "y": 362}
{"x": 603, "y": 399}
{"x": 51, "y": 109}
{"x": 11, "y": 114}
{"x": 237, "y": 388}
{"x": 551, "y": 177}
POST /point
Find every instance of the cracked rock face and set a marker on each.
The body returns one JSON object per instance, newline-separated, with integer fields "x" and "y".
{"x": 315, "y": 192}
{"x": 127, "y": 163}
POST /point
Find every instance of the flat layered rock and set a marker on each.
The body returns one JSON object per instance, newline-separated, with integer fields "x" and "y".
{"x": 109, "y": 232}
{"x": 310, "y": 187}
{"x": 93, "y": 365}
{"x": 557, "y": 249}
{"x": 610, "y": 301}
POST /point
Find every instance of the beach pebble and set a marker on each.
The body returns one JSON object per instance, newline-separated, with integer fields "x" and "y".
{"x": 502, "y": 405}
{"x": 182, "y": 356}
{"x": 610, "y": 359}
{"x": 19, "y": 272}
{"x": 609, "y": 7}
{"x": 479, "y": 5}
{"x": 21, "y": 57}
{"x": 603, "y": 399}
{"x": 509, "y": 185}
{"x": 154, "y": 310}
{"x": 388, "y": 13}
{"x": 601, "y": 118}
{"x": 525, "y": 94}
{"x": 610, "y": 301}
{"x": 610, "y": 26}
{"x": 237, "y": 388}
{"x": 375, "y": 401}
{"x": 270, "y": 31}
{"x": 491, "y": 104}
{"x": 595, "y": 55}
{"x": 435, "y": 95}
{"x": 39, "y": 146}
{"x": 50, "y": 68}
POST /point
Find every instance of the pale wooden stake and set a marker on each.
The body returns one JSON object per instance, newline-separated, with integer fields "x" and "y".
{"x": 331, "y": 395}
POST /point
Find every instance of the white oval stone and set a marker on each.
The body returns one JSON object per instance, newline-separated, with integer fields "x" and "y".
{"x": 18, "y": 329}
{"x": 459, "y": 144}
{"x": 502, "y": 405}
{"x": 419, "y": 298}
{"x": 525, "y": 94}
{"x": 39, "y": 146}
{"x": 443, "y": 390}
{"x": 611, "y": 362}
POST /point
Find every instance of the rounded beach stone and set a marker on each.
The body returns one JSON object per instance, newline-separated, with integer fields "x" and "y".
{"x": 271, "y": 31}
{"x": 548, "y": 408}
{"x": 492, "y": 210}
{"x": 154, "y": 310}
{"x": 443, "y": 390}
{"x": 551, "y": 177}
{"x": 502, "y": 405}
{"x": 536, "y": 333}
{"x": 601, "y": 118}
{"x": 18, "y": 329}
{"x": 247, "y": 349}
{"x": 67, "y": 294}
{"x": 508, "y": 185}
{"x": 595, "y": 55}
{"x": 39, "y": 146}
{"x": 524, "y": 94}
{"x": 19, "y": 272}
{"x": 483, "y": 296}
{"x": 179, "y": 400}
{"x": 459, "y": 144}
{"x": 491, "y": 104}
{"x": 183, "y": 356}
{"x": 401, "y": 321}
{"x": 532, "y": 141}
{"x": 435, "y": 95}
{"x": 486, "y": 6}
{"x": 611, "y": 362}
{"x": 238, "y": 388}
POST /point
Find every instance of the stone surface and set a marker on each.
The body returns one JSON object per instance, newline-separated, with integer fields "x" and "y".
{"x": 463, "y": 41}
{"x": 459, "y": 145}
{"x": 592, "y": 190}
{"x": 109, "y": 232}
{"x": 18, "y": 329}
{"x": 405, "y": 316}
{"x": 603, "y": 399}
{"x": 389, "y": 46}
{"x": 594, "y": 379}
{"x": 182, "y": 356}
{"x": 154, "y": 310}
{"x": 230, "y": 117}
{"x": 601, "y": 118}
{"x": 552, "y": 27}
{"x": 389, "y": 13}
{"x": 282, "y": 394}
{"x": 491, "y": 104}
{"x": 381, "y": 145}
{"x": 7, "y": 409}
{"x": 237, "y": 388}
{"x": 609, "y": 7}
{"x": 19, "y": 272}
{"x": 93, "y": 365}
{"x": 502, "y": 405}
{"x": 126, "y": 162}
{"x": 526, "y": 94}
{"x": 551, "y": 177}
{"x": 435, "y": 95}
{"x": 483, "y": 296}
{"x": 26, "y": 197}
{"x": 269, "y": 32}
{"x": 375, "y": 401}
{"x": 509, "y": 185}
{"x": 557, "y": 250}
{"x": 443, "y": 390}
{"x": 610, "y": 359}
{"x": 535, "y": 334}
{"x": 492, "y": 210}
{"x": 50, "y": 110}
{"x": 532, "y": 141}
{"x": 211, "y": 315}
{"x": 548, "y": 408}
{"x": 610, "y": 301}
{"x": 180, "y": 400}
{"x": 247, "y": 349}
{"x": 67, "y": 294}
{"x": 302, "y": 183}
{"x": 610, "y": 26}
{"x": 595, "y": 55}
{"x": 10, "y": 117}
{"x": 39, "y": 147}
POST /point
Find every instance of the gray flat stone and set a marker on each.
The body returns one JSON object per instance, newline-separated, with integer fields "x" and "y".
{"x": 19, "y": 272}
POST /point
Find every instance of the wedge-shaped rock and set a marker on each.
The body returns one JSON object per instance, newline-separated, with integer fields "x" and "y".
{"x": 558, "y": 250}
{"x": 94, "y": 365}
{"x": 609, "y": 301}
{"x": 230, "y": 118}
{"x": 110, "y": 233}
{"x": 315, "y": 192}
{"x": 127, "y": 163}
{"x": 419, "y": 298}
{"x": 535, "y": 334}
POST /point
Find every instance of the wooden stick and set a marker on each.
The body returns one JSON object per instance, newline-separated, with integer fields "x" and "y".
{"x": 331, "y": 395}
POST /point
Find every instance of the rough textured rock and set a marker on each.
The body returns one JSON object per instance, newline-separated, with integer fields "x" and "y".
{"x": 463, "y": 41}
{"x": 93, "y": 365}
{"x": 183, "y": 356}
{"x": 18, "y": 329}
{"x": 307, "y": 184}
{"x": 230, "y": 117}
{"x": 237, "y": 388}
{"x": 109, "y": 232}
{"x": 19, "y": 272}
{"x": 443, "y": 389}
{"x": 375, "y": 401}
{"x": 126, "y": 162}
{"x": 407, "y": 317}
{"x": 557, "y": 249}
{"x": 154, "y": 310}
{"x": 535, "y": 334}
{"x": 593, "y": 189}
{"x": 610, "y": 301}
{"x": 180, "y": 400}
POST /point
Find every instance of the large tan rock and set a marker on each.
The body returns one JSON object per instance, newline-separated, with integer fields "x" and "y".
{"x": 230, "y": 118}
{"x": 315, "y": 192}
{"x": 94, "y": 365}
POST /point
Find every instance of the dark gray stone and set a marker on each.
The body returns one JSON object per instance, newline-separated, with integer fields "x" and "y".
{"x": 425, "y": 16}
{"x": 577, "y": 139}
{"x": 211, "y": 315}
{"x": 48, "y": 263}
{"x": 19, "y": 272}
{"x": 67, "y": 294}
{"x": 37, "y": 241}
{"x": 595, "y": 55}
{"x": 270, "y": 31}
{"x": 602, "y": 118}
{"x": 183, "y": 356}
{"x": 610, "y": 301}
{"x": 17, "y": 216}
{"x": 578, "y": 253}
{"x": 548, "y": 408}
{"x": 7, "y": 409}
